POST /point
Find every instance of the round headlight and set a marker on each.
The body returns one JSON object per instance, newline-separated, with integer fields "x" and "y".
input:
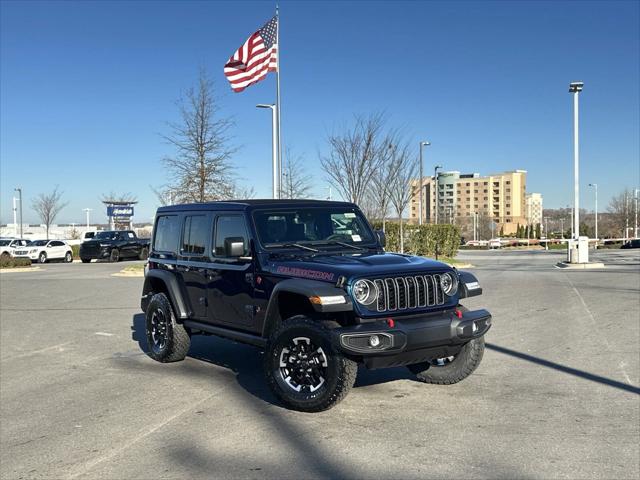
{"x": 449, "y": 284}
{"x": 365, "y": 292}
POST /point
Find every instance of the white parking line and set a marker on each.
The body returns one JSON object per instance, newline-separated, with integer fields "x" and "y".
{"x": 104, "y": 334}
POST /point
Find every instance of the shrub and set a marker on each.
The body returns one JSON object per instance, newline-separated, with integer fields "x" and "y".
{"x": 76, "y": 251}
{"x": 426, "y": 240}
{"x": 10, "y": 262}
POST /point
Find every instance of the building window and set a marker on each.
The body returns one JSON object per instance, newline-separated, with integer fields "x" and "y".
{"x": 508, "y": 204}
{"x": 468, "y": 184}
{"x": 508, "y": 182}
{"x": 508, "y": 213}
{"x": 468, "y": 192}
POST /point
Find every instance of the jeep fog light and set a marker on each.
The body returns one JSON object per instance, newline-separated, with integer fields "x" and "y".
{"x": 374, "y": 340}
{"x": 449, "y": 284}
{"x": 365, "y": 292}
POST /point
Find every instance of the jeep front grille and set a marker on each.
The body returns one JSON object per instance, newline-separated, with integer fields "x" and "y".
{"x": 400, "y": 293}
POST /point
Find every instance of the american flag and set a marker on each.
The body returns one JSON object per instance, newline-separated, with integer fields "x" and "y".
{"x": 253, "y": 60}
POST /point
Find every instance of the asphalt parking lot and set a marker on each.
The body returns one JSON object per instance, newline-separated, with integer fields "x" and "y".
{"x": 555, "y": 397}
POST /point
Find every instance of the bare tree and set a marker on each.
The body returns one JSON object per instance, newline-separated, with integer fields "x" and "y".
{"x": 383, "y": 177}
{"x": 48, "y": 206}
{"x": 354, "y": 156}
{"x": 296, "y": 183}
{"x": 404, "y": 165}
{"x": 118, "y": 197}
{"x": 621, "y": 209}
{"x": 201, "y": 168}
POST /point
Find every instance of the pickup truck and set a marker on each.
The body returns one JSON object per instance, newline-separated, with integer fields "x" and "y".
{"x": 114, "y": 245}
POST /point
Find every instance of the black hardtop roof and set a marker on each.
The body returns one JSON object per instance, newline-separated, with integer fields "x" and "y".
{"x": 241, "y": 205}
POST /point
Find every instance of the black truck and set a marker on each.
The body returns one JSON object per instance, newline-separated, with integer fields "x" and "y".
{"x": 309, "y": 282}
{"x": 113, "y": 245}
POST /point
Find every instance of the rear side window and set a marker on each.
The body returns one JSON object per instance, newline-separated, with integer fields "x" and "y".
{"x": 227, "y": 227}
{"x": 167, "y": 234}
{"x": 194, "y": 236}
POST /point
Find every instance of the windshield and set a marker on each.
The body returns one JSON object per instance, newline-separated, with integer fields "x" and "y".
{"x": 4, "y": 243}
{"x": 312, "y": 226}
{"x": 105, "y": 236}
{"x": 39, "y": 243}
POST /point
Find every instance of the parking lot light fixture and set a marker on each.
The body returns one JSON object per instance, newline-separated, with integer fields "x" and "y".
{"x": 19, "y": 190}
{"x": 576, "y": 88}
{"x": 595, "y": 186}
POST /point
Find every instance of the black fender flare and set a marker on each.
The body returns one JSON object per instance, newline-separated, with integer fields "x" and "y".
{"x": 173, "y": 290}
{"x": 306, "y": 288}
{"x": 469, "y": 285}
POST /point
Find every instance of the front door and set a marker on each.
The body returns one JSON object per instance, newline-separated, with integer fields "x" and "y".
{"x": 231, "y": 278}
{"x": 193, "y": 261}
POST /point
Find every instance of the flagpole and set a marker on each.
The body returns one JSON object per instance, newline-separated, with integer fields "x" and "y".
{"x": 278, "y": 104}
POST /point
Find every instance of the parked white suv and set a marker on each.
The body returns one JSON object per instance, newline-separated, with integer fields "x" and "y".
{"x": 44, "y": 250}
{"x": 9, "y": 245}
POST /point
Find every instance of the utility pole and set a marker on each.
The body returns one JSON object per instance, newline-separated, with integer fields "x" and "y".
{"x": 576, "y": 88}
{"x": 562, "y": 228}
{"x": 595, "y": 185}
{"x": 435, "y": 177}
{"x": 15, "y": 219}
{"x": 420, "y": 186}
{"x": 635, "y": 230}
{"x": 19, "y": 190}
{"x": 87, "y": 210}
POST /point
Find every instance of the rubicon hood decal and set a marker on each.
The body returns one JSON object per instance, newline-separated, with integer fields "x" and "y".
{"x": 306, "y": 273}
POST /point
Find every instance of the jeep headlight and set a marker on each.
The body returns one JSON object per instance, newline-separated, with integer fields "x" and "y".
{"x": 365, "y": 292}
{"x": 449, "y": 284}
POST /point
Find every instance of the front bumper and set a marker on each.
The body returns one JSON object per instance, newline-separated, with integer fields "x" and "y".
{"x": 411, "y": 339}
{"x": 30, "y": 256}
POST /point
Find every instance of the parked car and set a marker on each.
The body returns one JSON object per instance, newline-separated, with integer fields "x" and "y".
{"x": 9, "y": 245}
{"x": 44, "y": 250}
{"x": 310, "y": 283}
{"x": 114, "y": 245}
{"x": 631, "y": 244}
{"x": 495, "y": 243}
{"x": 86, "y": 236}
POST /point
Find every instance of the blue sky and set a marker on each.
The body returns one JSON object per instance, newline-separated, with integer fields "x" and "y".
{"x": 86, "y": 89}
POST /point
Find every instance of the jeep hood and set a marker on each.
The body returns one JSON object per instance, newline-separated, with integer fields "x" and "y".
{"x": 329, "y": 267}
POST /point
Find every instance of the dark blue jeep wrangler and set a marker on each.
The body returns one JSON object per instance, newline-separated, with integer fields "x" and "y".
{"x": 310, "y": 283}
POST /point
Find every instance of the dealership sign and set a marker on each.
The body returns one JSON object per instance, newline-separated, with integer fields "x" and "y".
{"x": 120, "y": 211}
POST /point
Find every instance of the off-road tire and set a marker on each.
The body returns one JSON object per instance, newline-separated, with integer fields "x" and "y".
{"x": 114, "y": 256}
{"x": 177, "y": 342}
{"x": 85, "y": 260}
{"x": 68, "y": 258}
{"x": 42, "y": 258}
{"x": 144, "y": 253}
{"x": 462, "y": 365}
{"x": 340, "y": 371}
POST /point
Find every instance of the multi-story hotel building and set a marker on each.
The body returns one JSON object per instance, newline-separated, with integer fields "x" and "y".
{"x": 500, "y": 197}
{"x": 533, "y": 208}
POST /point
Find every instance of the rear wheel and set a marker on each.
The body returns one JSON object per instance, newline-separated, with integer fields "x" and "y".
{"x": 144, "y": 253}
{"x": 68, "y": 257}
{"x": 303, "y": 369}
{"x": 42, "y": 258}
{"x": 114, "y": 256}
{"x": 168, "y": 340}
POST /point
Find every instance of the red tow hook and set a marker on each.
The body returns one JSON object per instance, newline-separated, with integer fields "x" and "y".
{"x": 458, "y": 313}
{"x": 390, "y": 322}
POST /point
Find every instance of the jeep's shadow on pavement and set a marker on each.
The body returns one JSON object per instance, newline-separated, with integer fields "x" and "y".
{"x": 246, "y": 362}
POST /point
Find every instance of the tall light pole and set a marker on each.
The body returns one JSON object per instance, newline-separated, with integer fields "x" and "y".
{"x": 19, "y": 190}
{"x": 635, "y": 230}
{"x": 437, "y": 189}
{"x": 87, "y": 210}
{"x": 274, "y": 148}
{"x": 420, "y": 186}
{"x": 15, "y": 217}
{"x": 576, "y": 88}
{"x": 595, "y": 185}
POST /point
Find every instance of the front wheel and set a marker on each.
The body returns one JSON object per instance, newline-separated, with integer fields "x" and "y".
{"x": 453, "y": 369}
{"x": 168, "y": 340}
{"x": 42, "y": 258}
{"x": 303, "y": 369}
{"x": 114, "y": 256}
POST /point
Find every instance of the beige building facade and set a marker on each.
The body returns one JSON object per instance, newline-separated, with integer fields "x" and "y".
{"x": 499, "y": 197}
{"x": 533, "y": 208}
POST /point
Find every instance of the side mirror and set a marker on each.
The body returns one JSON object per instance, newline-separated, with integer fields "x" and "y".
{"x": 234, "y": 246}
{"x": 382, "y": 239}
{"x": 49, "y": 246}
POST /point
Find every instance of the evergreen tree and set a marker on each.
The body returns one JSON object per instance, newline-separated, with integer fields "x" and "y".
{"x": 538, "y": 231}
{"x": 502, "y": 230}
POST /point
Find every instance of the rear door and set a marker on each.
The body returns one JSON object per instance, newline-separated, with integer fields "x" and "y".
{"x": 230, "y": 296}
{"x": 57, "y": 249}
{"x": 193, "y": 260}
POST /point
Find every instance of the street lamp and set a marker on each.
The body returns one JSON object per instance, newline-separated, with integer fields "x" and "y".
{"x": 435, "y": 177}
{"x": 274, "y": 147}
{"x": 19, "y": 190}
{"x": 87, "y": 210}
{"x": 420, "y": 186}
{"x": 635, "y": 230}
{"x": 595, "y": 185}
{"x": 576, "y": 88}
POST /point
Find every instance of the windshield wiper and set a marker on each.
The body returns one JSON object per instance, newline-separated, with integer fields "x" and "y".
{"x": 297, "y": 245}
{"x": 342, "y": 244}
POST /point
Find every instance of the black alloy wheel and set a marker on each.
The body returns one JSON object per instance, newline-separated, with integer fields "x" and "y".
{"x": 158, "y": 331}
{"x": 303, "y": 365}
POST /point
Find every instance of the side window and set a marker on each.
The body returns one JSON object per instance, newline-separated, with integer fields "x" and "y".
{"x": 195, "y": 233}
{"x": 57, "y": 244}
{"x": 167, "y": 234}
{"x": 229, "y": 226}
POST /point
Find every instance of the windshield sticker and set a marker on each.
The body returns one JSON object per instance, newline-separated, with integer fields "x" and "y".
{"x": 350, "y": 215}
{"x": 304, "y": 273}
{"x": 356, "y": 238}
